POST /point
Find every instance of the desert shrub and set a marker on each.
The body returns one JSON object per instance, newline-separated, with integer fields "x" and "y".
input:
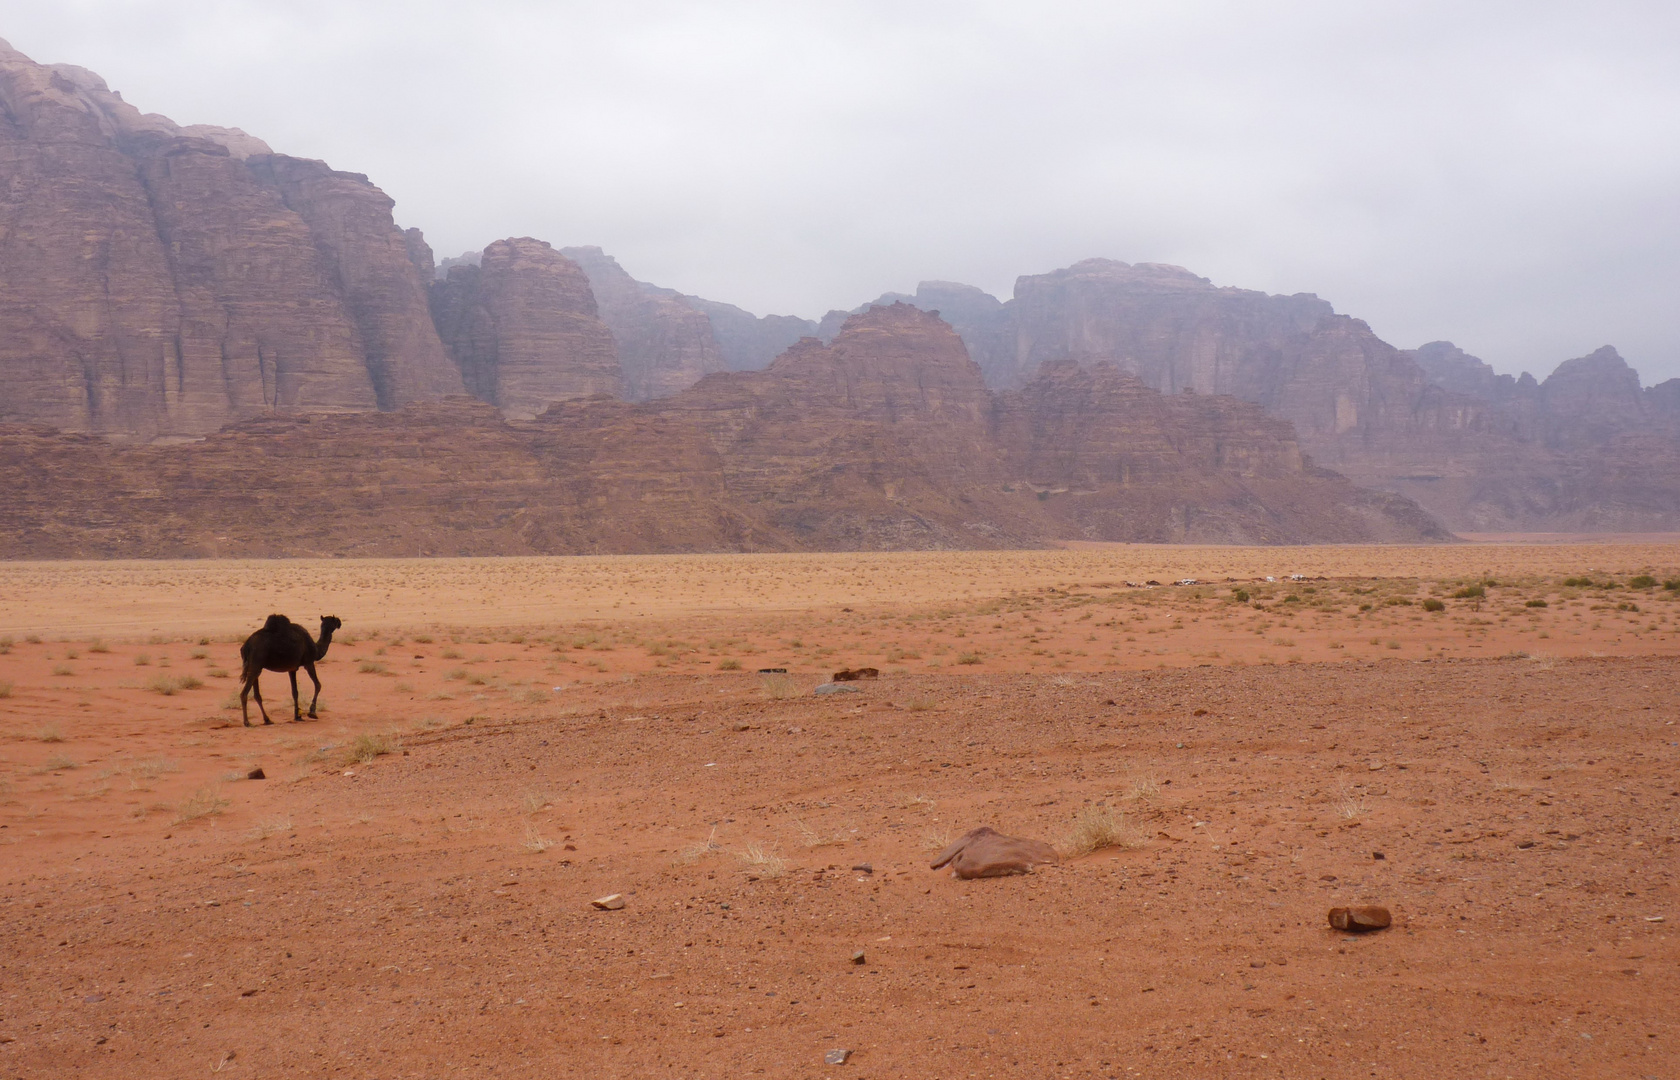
{"x": 1292, "y": 599}
{"x": 1672, "y": 585}
{"x": 1470, "y": 592}
{"x": 364, "y": 748}
{"x": 1536, "y": 603}
{"x": 371, "y": 667}
{"x": 1240, "y": 596}
{"x": 422, "y": 639}
{"x": 1577, "y": 582}
{"x": 1642, "y": 581}
{"x": 1433, "y": 604}
{"x": 968, "y": 658}
{"x": 1397, "y": 601}
{"x": 729, "y": 665}
{"x": 170, "y": 685}
{"x": 1625, "y": 606}
{"x": 203, "y": 804}
{"x": 778, "y": 685}
{"x": 1098, "y": 827}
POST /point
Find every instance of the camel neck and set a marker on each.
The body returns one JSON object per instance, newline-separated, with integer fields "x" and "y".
{"x": 326, "y": 640}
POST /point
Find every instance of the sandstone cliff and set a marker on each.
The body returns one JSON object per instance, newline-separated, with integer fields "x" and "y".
{"x": 885, "y": 438}
{"x": 664, "y": 343}
{"x": 748, "y": 342}
{"x": 161, "y": 281}
{"x": 523, "y": 328}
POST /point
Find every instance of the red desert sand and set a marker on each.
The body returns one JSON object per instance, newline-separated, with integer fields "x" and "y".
{"x": 552, "y": 821}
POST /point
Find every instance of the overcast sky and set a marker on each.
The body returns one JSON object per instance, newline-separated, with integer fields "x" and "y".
{"x": 1503, "y": 175}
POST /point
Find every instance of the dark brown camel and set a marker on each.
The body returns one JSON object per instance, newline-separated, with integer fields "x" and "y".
{"x": 283, "y": 645}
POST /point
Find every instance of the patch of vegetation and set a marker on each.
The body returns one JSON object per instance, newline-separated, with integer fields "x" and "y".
{"x": 364, "y": 748}
{"x": 729, "y": 665}
{"x": 170, "y": 685}
{"x": 968, "y": 658}
{"x": 1642, "y": 581}
{"x": 1536, "y": 604}
{"x": 98, "y": 647}
{"x": 1098, "y": 827}
{"x": 372, "y": 667}
{"x": 1470, "y": 592}
{"x": 1433, "y": 604}
{"x": 51, "y": 733}
{"x": 205, "y": 803}
{"x": 1240, "y": 596}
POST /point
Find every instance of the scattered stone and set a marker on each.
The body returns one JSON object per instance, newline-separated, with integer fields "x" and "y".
{"x": 256, "y": 774}
{"x": 864, "y": 868}
{"x": 1359, "y": 919}
{"x": 836, "y": 1057}
{"x": 772, "y": 671}
{"x": 985, "y": 852}
{"x": 859, "y": 958}
{"x": 1525, "y": 843}
{"x": 835, "y": 688}
{"x": 608, "y": 903}
{"x": 854, "y": 674}
{"x": 1378, "y": 855}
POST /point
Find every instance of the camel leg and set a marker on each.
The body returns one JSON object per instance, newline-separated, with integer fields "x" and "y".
{"x": 309, "y": 667}
{"x": 297, "y": 709}
{"x": 255, "y": 689}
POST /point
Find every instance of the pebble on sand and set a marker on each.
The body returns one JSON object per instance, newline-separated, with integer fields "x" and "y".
{"x": 608, "y": 903}
{"x": 1367, "y": 917}
{"x": 256, "y": 774}
{"x": 836, "y": 1057}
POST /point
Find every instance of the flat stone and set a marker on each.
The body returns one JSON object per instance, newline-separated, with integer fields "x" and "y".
{"x": 256, "y": 774}
{"x": 836, "y": 1057}
{"x": 835, "y": 688}
{"x": 864, "y": 868}
{"x": 859, "y": 958}
{"x": 1359, "y": 919}
{"x": 614, "y": 902}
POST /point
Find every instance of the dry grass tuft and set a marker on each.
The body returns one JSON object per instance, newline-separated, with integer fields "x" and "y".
{"x": 5, "y": 689}
{"x": 811, "y": 838}
{"x": 1098, "y": 827}
{"x": 1143, "y": 789}
{"x": 780, "y": 686}
{"x": 364, "y": 748}
{"x": 936, "y": 841}
{"x": 205, "y": 803}
{"x": 264, "y": 830}
{"x": 698, "y": 850}
{"x": 170, "y": 685}
{"x": 535, "y": 841}
{"x": 533, "y": 801}
{"x": 762, "y": 861}
{"x": 51, "y": 733}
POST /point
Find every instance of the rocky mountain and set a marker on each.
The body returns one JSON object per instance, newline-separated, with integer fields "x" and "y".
{"x": 523, "y": 328}
{"x": 885, "y": 438}
{"x": 1587, "y": 449}
{"x": 664, "y": 342}
{"x": 160, "y": 281}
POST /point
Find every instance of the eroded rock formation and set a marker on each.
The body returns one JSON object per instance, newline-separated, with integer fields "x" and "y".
{"x": 162, "y": 281}
{"x": 664, "y": 342}
{"x": 885, "y": 438}
{"x": 523, "y": 328}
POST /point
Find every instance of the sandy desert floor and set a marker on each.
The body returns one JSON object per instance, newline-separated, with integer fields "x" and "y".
{"x": 500, "y": 741}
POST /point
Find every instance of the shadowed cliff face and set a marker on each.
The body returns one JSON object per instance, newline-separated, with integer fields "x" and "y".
{"x": 664, "y": 343}
{"x": 523, "y": 328}
{"x": 887, "y": 438}
{"x": 162, "y": 281}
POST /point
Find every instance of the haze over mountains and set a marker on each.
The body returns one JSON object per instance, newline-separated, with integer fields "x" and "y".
{"x": 158, "y": 283}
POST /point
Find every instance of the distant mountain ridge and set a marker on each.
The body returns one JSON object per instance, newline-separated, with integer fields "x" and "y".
{"x": 160, "y": 282}
{"x": 887, "y": 438}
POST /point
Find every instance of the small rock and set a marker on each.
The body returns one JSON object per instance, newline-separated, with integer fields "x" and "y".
{"x": 1378, "y": 855}
{"x": 610, "y": 903}
{"x": 835, "y": 688}
{"x": 1358, "y": 919}
{"x": 772, "y": 671}
{"x": 256, "y": 774}
{"x": 864, "y": 868}
{"x": 859, "y": 958}
{"x": 836, "y": 1057}
{"x": 1525, "y": 843}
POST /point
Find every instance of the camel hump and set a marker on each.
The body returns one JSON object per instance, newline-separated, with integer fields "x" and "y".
{"x": 276, "y": 623}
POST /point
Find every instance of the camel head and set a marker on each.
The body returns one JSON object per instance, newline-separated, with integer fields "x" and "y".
{"x": 330, "y": 624}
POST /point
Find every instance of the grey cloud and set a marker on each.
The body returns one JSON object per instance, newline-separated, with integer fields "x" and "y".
{"x": 1501, "y": 174}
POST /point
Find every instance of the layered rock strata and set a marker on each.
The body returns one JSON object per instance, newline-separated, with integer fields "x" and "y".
{"x": 664, "y": 342}
{"x": 885, "y": 438}
{"x": 159, "y": 281}
{"x": 523, "y": 328}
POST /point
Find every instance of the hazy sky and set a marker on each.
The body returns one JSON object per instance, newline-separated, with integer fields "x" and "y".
{"x": 1503, "y": 175}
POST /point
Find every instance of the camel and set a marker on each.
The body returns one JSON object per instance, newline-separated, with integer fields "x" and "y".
{"x": 283, "y": 645}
